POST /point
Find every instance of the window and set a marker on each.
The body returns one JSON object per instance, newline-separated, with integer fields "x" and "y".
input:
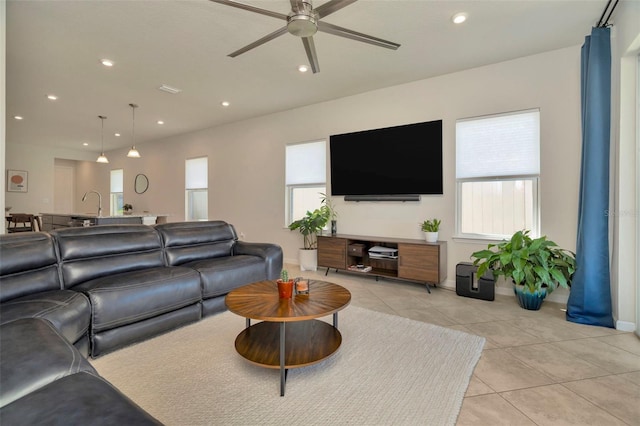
{"x": 306, "y": 177}
{"x": 116, "y": 199}
{"x": 497, "y": 172}
{"x": 196, "y": 189}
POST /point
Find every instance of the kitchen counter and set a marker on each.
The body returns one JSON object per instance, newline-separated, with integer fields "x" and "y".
{"x": 65, "y": 220}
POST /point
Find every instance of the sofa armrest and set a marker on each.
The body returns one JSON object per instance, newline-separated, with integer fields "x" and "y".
{"x": 271, "y": 253}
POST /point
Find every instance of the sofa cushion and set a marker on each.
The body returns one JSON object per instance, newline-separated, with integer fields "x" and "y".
{"x": 33, "y": 355}
{"x": 221, "y": 275}
{"x": 78, "y": 399}
{"x": 125, "y": 298}
{"x": 88, "y": 253}
{"x": 190, "y": 241}
{"x": 29, "y": 265}
{"x": 68, "y": 311}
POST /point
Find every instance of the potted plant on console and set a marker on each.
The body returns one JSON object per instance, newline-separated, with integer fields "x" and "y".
{"x": 327, "y": 206}
{"x": 430, "y": 229}
{"x": 535, "y": 266}
{"x": 309, "y": 226}
{"x": 127, "y": 209}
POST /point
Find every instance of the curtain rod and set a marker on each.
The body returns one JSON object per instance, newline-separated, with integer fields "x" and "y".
{"x": 605, "y": 23}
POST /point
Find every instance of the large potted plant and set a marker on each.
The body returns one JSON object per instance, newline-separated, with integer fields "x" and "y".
{"x": 535, "y": 266}
{"x": 310, "y": 226}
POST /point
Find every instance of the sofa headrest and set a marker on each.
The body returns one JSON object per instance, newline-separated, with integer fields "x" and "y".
{"x": 26, "y": 251}
{"x": 177, "y": 234}
{"x": 105, "y": 240}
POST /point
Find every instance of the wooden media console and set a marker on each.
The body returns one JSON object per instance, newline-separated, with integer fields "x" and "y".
{"x": 416, "y": 260}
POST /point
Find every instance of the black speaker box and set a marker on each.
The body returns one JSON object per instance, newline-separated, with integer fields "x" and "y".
{"x": 469, "y": 285}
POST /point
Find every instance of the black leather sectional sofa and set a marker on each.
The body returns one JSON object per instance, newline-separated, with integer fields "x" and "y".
{"x": 79, "y": 292}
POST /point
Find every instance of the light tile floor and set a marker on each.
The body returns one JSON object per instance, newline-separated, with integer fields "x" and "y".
{"x": 536, "y": 368}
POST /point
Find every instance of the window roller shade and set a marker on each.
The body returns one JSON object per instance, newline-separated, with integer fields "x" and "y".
{"x": 500, "y": 145}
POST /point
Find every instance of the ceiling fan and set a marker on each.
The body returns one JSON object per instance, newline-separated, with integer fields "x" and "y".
{"x": 304, "y": 21}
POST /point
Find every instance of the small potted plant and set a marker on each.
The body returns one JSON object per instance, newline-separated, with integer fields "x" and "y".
{"x": 331, "y": 212}
{"x": 535, "y": 266}
{"x": 310, "y": 226}
{"x": 127, "y": 208}
{"x": 285, "y": 285}
{"x": 430, "y": 229}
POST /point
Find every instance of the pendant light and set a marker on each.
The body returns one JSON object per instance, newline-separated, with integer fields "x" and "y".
{"x": 102, "y": 158}
{"x": 133, "y": 152}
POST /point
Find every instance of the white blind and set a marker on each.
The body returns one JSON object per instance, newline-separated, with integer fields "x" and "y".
{"x": 498, "y": 145}
{"x": 117, "y": 180}
{"x": 196, "y": 173}
{"x": 306, "y": 163}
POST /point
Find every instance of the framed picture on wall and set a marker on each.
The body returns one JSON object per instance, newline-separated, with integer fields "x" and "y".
{"x": 17, "y": 181}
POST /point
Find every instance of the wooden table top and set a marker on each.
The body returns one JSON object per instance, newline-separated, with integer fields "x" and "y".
{"x": 260, "y": 301}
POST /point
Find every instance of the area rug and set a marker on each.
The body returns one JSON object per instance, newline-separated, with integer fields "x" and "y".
{"x": 389, "y": 371}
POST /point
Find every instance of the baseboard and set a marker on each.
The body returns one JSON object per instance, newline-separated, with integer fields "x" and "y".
{"x": 625, "y": 326}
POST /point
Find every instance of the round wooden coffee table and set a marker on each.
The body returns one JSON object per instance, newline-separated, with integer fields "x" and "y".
{"x": 289, "y": 335}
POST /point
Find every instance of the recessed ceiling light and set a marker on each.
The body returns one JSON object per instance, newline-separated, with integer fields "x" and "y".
{"x": 160, "y": 122}
{"x": 303, "y": 68}
{"x": 106, "y": 62}
{"x": 459, "y": 18}
{"x": 85, "y": 143}
{"x": 225, "y": 104}
{"x": 18, "y": 117}
{"x": 52, "y": 97}
{"x": 117, "y": 135}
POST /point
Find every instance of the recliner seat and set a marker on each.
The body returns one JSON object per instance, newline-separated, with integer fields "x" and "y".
{"x": 30, "y": 287}
{"x": 224, "y": 263}
{"x": 133, "y": 295}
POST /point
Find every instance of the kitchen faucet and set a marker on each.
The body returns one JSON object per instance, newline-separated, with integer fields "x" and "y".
{"x": 84, "y": 197}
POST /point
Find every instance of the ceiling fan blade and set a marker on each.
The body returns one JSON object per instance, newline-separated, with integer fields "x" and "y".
{"x": 251, "y": 8}
{"x": 257, "y": 43}
{"x": 311, "y": 53}
{"x": 332, "y": 6}
{"x": 354, "y": 35}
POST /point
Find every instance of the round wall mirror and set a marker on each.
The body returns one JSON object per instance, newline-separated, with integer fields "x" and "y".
{"x": 141, "y": 184}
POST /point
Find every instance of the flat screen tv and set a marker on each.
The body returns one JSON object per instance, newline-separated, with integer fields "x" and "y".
{"x": 388, "y": 163}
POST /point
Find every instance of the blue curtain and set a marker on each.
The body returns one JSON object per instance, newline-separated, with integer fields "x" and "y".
{"x": 590, "y": 297}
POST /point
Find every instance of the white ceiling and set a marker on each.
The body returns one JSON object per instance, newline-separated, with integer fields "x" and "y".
{"x": 55, "y": 47}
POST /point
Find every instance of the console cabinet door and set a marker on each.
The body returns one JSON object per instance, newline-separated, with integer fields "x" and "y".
{"x": 419, "y": 262}
{"x": 332, "y": 252}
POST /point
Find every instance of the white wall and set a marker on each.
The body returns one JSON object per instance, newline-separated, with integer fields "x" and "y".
{"x": 625, "y": 46}
{"x": 3, "y": 102}
{"x": 39, "y": 162}
{"x": 246, "y": 159}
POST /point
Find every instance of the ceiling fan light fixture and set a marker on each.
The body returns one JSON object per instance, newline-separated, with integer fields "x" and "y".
{"x": 302, "y": 25}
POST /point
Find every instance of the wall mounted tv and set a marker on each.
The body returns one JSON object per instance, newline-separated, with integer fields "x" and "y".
{"x": 393, "y": 163}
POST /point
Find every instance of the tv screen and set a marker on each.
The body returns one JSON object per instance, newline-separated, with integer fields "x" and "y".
{"x": 400, "y": 160}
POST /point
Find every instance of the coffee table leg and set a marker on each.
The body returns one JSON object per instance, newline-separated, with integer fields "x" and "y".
{"x": 283, "y": 371}
{"x": 248, "y": 323}
{"x": 335, "y": 320}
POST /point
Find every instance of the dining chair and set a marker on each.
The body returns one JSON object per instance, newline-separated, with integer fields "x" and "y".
{"x": 21, "y": 222}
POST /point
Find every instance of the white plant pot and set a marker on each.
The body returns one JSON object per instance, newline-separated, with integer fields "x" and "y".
{"x": 308, "y": 259}
{"x": 431, "y": 237}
